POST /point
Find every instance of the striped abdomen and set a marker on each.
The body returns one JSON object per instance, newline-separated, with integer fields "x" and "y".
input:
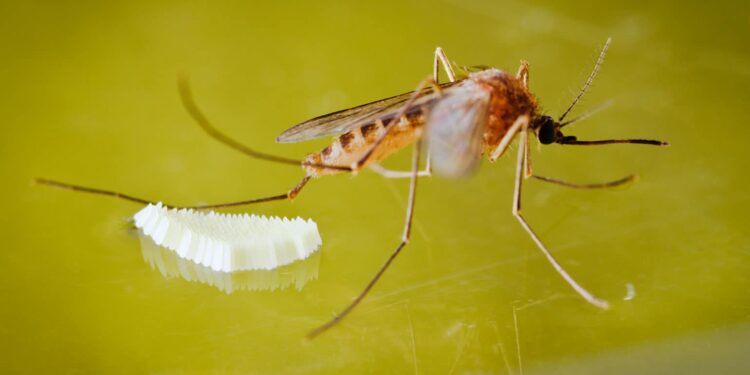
{"x": 350, "y": 147}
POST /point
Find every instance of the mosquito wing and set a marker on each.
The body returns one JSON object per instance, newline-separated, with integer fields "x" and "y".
{"x": 352, "y": 118}
{"x": 455, "y": 127}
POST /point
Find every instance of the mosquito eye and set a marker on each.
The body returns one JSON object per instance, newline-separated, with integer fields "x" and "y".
{"x": 546, "y": 133}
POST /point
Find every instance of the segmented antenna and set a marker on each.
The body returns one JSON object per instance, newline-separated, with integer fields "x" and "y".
{"x": 599, "y": 62}
{"x": 586, "y": 114}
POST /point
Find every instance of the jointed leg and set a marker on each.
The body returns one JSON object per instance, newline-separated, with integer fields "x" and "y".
{"x": 526, "y": 155}
{"x": 523, "y": 73}
{"x": 600, "y": 185}
{"x": 291, "y": 194}
{"x": 440, "y": 57}
{"x": 523, "y": 144}
{"x": 62, "y": 185}
{"x": 388, "y": 173}
{"x": 428, "y": 162}
{"x": 505, "y": 141}
{"x": 84, "y": 189}
{"x": 404, "y": 240}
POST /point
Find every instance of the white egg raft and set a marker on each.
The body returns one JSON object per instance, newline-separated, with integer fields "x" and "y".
{"x": 229, "y": 242}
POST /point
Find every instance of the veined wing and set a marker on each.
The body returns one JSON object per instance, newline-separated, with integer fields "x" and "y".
{"x": 455, "y": 127}
{"x": 345, "y": 120}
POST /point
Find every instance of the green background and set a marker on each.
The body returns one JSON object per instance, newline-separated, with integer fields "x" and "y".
{"x": 89, "y": 96}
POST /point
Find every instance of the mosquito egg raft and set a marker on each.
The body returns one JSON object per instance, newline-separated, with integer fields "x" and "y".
{"x": 226, "y": 242}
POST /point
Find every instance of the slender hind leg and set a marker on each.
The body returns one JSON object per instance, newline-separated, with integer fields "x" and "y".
{"x": 186, "y": 95}
{"x": 404, "y": 240}
{"x": 520, "y": 168}
{"x": 291, "y": 194}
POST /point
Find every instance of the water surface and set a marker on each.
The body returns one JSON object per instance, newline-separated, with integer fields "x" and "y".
{"x": 90, "y": 97}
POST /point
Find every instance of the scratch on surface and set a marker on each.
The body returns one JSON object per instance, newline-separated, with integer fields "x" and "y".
{"x": 518, "y": 340}
{"x": 466, "y": 341}
{"x": 515, "y": 322}
{"x": 451, "y": 276}
{"x": 413, "y": 338}
{"x": 502, "y": 347}
{"x": 538, "y": 302}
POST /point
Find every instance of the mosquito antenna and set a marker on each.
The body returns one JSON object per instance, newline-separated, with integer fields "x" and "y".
{"x": 588, "y": 113}
{"x": 598, "y": 65}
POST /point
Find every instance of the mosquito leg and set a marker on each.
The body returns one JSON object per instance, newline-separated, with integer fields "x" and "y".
{"x": 62, "y": 185}
{"x": 523, "y": 73}
{"x": 507, "y": 138}
{"x": 527, "y": 172}
{"x": 428, "y": 162}
{"x": 523, "y": 144}
{"x": 388, "y": 173}
{"x": 291, "y": 194}
{"x": 404, "y": 240}
{"x": 600, "y": 185}
{"x": 440, "y": 57}
{"x": 84, "y": 189}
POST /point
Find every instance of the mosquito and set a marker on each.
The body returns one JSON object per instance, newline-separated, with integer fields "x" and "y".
{"x": 478, "y": 113}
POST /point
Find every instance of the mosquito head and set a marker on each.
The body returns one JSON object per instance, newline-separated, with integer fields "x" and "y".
{"x": 547, "y": 130}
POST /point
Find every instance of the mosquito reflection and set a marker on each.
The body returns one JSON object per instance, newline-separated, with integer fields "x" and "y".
{"x": 170, "y": 265}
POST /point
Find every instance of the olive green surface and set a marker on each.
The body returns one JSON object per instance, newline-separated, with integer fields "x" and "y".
{"x": 89, "y": 96}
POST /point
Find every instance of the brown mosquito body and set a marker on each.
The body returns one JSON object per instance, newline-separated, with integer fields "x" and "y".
{"x": 459, "y": 121}
{"x": 353, "y": 145}
{"x": 508, "y": 100}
